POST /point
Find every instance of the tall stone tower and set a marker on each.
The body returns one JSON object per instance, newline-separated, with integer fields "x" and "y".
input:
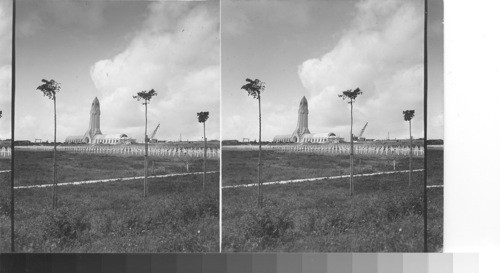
{"x": 302, "y": 121}
{"x": 95, "y": 121}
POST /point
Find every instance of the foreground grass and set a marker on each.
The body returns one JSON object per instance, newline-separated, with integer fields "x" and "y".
{"x": 240, "y": 167}
{"x": 435, "y": 200}
{"x": 177, "y": 216}
{"x": 383, "y": 216}
{"x": 114, "y": 217}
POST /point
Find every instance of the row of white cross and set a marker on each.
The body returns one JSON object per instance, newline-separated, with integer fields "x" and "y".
{"x": 5, "y": 152}
{"x": 338, "y": 149}
{"x": 131, "y": 150}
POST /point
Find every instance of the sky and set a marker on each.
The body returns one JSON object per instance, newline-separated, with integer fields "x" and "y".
{"x": 112, "y": 50}
{"x": 5, "y": 67}
{"x": 318, "y": 49}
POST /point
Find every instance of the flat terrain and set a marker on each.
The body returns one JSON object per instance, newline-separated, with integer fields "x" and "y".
{"x": 384, "y": 215}
{"x": 35, "y": 167}
{"x": 240, "y": 167}
{"x": 435, "y": 200}
{"x": 177, "y": 216}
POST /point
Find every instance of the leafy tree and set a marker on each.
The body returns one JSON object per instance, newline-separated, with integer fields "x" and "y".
{"x": 351, "y": 95}
{"x": 202, "y": 118}
{"x": 50, "y": 88}
{"x": 145, "y": 96}
{"x": 408, "y": 116}
{"x": 254, "y": 89}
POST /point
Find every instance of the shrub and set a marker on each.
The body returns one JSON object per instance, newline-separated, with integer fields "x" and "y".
{"x": 64, "y": 226}
{"x": 196, "y": 207}
{"x": 100, "y": 224}
{"x": 270, "y": 224}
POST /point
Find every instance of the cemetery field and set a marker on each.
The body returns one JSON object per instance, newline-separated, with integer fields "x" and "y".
{"x": 435, "y": 199}
{"x": 384, "y": 215}
{"x": 4, "y": 163}
{"x": 35, "y": 167}
{"x": 177, "y": 216}
{"x": 240, "y": 167}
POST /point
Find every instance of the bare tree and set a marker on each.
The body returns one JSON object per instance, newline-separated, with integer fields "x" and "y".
{"x": 202, "y": 118}
{"x": 146, "y": 97}
{"x": 408, "y": 115}
{"x": 254, "y": 89}
{"x": 351, "y": 96}
{"x": 49, "y": 89}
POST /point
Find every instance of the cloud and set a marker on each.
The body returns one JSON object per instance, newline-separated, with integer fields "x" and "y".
{"x": 31, "y": 25}
{"x": 238, "y": 16}
{"x": 5, "y": 67}
{"x": 176, "y": 53}
{"x": 381, "y": 53}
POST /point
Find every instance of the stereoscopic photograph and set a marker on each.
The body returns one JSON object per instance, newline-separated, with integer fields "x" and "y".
{"x": 323, "y": 126}
{"x": 323, "y": 119}
{"x": 117, "y": 126}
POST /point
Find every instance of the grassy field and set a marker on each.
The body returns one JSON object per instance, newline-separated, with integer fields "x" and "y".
{"x": 35, "y": 167}
{"x": 177, "y": 216}
{"x": 383, "y": 216}
{"x": 435, "y": 200}
{"x": 240, "y": 167}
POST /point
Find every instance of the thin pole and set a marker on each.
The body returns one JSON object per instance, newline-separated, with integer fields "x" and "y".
{"x": 351, "y": 188}
{"x": 204, "y": 156}
{"x": 260, "y": 152}
{"x": 146, "y": 151}
{"x": 411, "y": 156}
{"x": 54, "y": 184}
{"x": 12, "y": 121}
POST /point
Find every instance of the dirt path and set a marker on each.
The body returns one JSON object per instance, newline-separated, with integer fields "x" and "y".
{"x": 110, "y": 180}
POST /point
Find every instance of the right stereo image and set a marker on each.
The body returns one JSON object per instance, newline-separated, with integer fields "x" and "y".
{"x": 332, "y": 126}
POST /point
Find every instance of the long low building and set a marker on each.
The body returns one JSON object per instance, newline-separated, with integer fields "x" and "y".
{"x": 302, "y": 134}
{"x": 94, "y": 134}
{"x": 100, "y": 139}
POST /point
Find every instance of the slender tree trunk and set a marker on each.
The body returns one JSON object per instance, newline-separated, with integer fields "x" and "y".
{"x": 54, "y": 182}
{"x": 351, "y": 187}
{"x": 204, "y": 156}
{"x": 260, "y": 162}
{"x": 411, "y": 157}
{"x": 146, "y": 151}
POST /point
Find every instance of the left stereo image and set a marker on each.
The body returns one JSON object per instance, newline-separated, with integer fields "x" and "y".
{"x": 5, "y": 122}
{"x": 116, "y": 143}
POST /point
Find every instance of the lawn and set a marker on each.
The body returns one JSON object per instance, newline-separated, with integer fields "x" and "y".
{"x": 35, "y": 167}
{"x": 177, "y": 216}
{"x": 384, "y": 215}
{"x": 240, "y": 167}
